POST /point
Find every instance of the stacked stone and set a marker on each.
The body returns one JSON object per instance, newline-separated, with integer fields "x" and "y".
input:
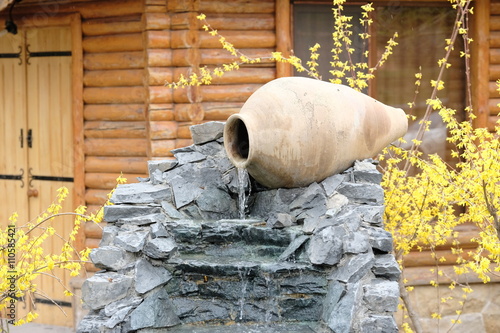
{"x": 308, "y": 260}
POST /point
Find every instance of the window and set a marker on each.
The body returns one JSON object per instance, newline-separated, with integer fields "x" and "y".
{"x": 422, "y": 32}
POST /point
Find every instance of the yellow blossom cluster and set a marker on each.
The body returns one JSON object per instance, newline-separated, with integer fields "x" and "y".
{"x": 23, "y": 258}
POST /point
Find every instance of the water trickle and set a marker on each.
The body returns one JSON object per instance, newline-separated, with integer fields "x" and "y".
{"x": 243, "y": 182}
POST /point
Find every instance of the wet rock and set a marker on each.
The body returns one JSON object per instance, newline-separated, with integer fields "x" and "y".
{"x": 342, "y": 314}
{"x": 280, "y": 221}
{"x": 199, "y": 310}
{"x": 206, "y": 132}
{"x": 156, "y": 311}
{"x": 160, "y": 248}
{"x": 216, "y": 203}
{"x": 290, "y": 252}
{"x": 148, "y": 277}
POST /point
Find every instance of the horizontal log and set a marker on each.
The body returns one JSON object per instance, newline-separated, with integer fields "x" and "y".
{"x": 107, "y": 181}
{"x": 495, "y": 8}
{"x": 109, "y": 95}
{"x": 183, "y": 131}
{"x": 159, "y": 76}
{"x": 161, "y": 112}
{"x": 160, "y": 94}
{"x": 118, "y": 60}
{"x": 163, "y": 130}
{"x": 115, "y": 129}
{"x": 88, "y": 10}
{"x": 91, "y": 243}
{"x": 494, "y": 56}
{"x": 492, "y": 87}
{"x": 189, "y": 94}
{"x": 156, "y": 21}
{"x": 155, "y": 9}
{"x": 114, "y": 112}
{"x": 420, "y": 276}
{"x": 494, "y": 22}
{"x": 158, "y": 39}
{"x": 116, "y": 164}
{"x": 96, "y": 197}
{"x": 221, "y": 6}
{"x": 240, "y": 39}
{"x": 94, "y": 230}
{"x": 113, "y": 78}
{"x": 159, "y": 57}
{"x": 162, "y": 148}
{"x": 155, "y": 3}
{"x": 115, "y": 147}
{"x": 493, "y": 122}
{"x": 494, "y": 72}
{"x": 493, "y": 106}
{"x": 108, "y": 27}
{"x": 188, "y": 112}
{"x": 94, "y": 209}
{"x": 185, "y": 21}
{"x": 220, "y": 111}
{"x": 495, "y": 39}
{"x": 187, "y": 57}
{"x": 113, "y": 43}
{"x": 228, "y": 93}
{"x": 181, "y": 143}
{"x": 424, "y": 258}
{"x": 241, "y": 76}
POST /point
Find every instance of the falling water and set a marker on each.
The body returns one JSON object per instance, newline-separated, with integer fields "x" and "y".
{"x": 243, "y": 182}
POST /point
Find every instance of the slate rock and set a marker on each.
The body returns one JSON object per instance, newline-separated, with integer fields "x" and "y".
{"x": 305, "y": 283}
{"x": 335, "y": 203}
{"x": 160, "y": 248}
{"x": 379, "y": 324}
{"x": 111, "y": 258}
{"x": 214, "y": 200}
{"x": 386, "y": 266}
{"x": 159, "y": 230}
{"x": 184, "y": 191}
{"x": 371, "y": 214}
{"x": 307, "y": 309}
{"x": 104, "y": 288}
{"x": 91, "y": 324}
{"x": 109, "y": 233}
{"x": 161, "y": 165}
{"x": 148, "y": 277}
{"x": 115, "y": 212}
{"x": 290, "y": 252}
{"x": 380, "y": 239}
{"x": 115, "y": 306}
{"x": 209, "y": 131}
{"x": 144, "y": 219}
{"x": 189, "y": 157}
{"x": 326, "y": 246}
{"x": 211, "y": 149}
{"x": 353, "y": 268}
{"x": 199, "y": 310}
{"x": 341, "y": 317}
{"x": 140, "y": 193}
{"x": 170, "y": 210}
{"x": 311, "y": 203}
{"x": 156, "y": 311}
{"x": 280, "y": 221}
{"x": 381, "y": 295}
{"x": 331, "y": 183}
{"x": 356, "y": 242}
{"x": 370, "y": 194}
{"x": 131, "y": 240}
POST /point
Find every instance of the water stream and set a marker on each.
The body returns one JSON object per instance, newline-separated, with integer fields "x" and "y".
{"x": 243, "y": 183}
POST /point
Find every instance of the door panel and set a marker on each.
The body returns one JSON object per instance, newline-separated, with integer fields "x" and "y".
{"x": 13, "y": 157}
{"x": 35, "y": 98}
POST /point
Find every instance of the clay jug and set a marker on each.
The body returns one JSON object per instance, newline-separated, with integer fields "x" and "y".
{"x": 294, "y": 131}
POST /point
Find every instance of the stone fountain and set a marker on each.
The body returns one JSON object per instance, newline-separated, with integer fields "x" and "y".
{"x": 176, "y": 256}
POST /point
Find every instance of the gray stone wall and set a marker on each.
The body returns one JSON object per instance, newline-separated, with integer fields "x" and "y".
{"x": 174, "y": 256}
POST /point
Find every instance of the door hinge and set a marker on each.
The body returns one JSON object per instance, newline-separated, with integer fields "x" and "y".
{"x": 21, "y": 138}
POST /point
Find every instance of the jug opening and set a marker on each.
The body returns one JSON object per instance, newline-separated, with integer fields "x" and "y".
{"x": 238, "y": 140}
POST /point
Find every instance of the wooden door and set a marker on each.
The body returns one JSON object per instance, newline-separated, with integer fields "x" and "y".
{"x": 46, "y": 152}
